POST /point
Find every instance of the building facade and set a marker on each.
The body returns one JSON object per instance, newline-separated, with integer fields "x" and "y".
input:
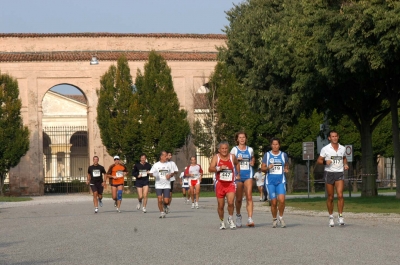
{"x": 42, "y": 61}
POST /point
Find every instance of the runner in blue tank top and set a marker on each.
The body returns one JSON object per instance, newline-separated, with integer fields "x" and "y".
{"x": 275, "y": 165}
{"x": 245, "y": 157}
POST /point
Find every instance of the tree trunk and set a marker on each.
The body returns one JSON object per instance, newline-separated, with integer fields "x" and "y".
{"x": 368, "y": 172}
{"x": 2, "y": 178}
{"x": 396, "y": 142}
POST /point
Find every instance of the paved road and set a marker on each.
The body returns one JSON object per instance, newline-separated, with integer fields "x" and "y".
{"x": 64, "y": 230}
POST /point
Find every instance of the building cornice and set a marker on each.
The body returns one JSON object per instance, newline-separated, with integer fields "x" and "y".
{"x": 115, "y": 35}
{"x": 68, "y": 56}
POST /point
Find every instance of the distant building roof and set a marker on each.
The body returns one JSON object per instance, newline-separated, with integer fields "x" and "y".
{"x": 103, "y": 56}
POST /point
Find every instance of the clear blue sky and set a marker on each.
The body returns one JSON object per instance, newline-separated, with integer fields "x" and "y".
{"x": 116, "y": 16}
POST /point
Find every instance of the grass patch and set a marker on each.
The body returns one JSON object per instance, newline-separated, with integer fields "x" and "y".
{"x": 14, "y": 199}
{"x": 380, "y": 204}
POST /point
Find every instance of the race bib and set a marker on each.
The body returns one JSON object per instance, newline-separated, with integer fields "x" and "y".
{"x": 277, "y": 169}
{"x": 119, "y": 174}
{"x": 336, "y": 160}
{"x": 244, "y": 164}
{"x": 185, "y": 184}
{"x": 96, "y": 173}
{"x": 143, "y": 173}
{"x": 226, "y": 175}
{"x": 162, "y": 173}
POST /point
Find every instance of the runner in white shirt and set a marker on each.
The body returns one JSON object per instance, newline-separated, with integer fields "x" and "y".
{"x": 195, "y": 173}
{"x": 259, "y": 177}
{"x": 172, "y": 180}
{"x": 335, "y": 161}
{"x": 162, "y": 172}
{"x": 184, "y": 181}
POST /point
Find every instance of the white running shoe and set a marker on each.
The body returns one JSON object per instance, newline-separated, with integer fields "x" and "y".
{"x": 192, "y": 205}
{"x": 231, "y": 223}
{"x": 274, "y": 222}
{"x": 222, "y": 225}
{"x": 162, "y": 215}
{"x": 283, "y": 225}
{"x": 250, "y": 222}
{"x": 340, "y": 220}
{"x": 100, "y": 203}
{"x": 197, "y": 205}
{"x": 144, "y": 210}
{"x": 261, "y": 199}
{"x": 96, "y": 210}
{"x": 118, "y": 210}
{"x": 239, "y": 220}
{"x": 331, "y": 222}
{"x": 138, "y": 206}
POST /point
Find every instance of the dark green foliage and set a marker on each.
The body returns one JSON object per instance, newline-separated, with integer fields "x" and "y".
{"x": 14, "y": 136}
{"x": 163, "y": 124}
{"x": 118, "y": 114}
{"x": 295, "y": 56}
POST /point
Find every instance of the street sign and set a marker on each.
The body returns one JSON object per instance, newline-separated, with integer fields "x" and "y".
{"x": 308, "y": 150}
{"x": 349, "y": 152}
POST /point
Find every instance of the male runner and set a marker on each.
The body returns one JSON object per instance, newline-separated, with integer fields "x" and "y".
{"x": 96, "y": 177}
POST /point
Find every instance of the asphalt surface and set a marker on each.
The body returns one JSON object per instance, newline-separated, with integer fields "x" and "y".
{"x": 65, "y": 230}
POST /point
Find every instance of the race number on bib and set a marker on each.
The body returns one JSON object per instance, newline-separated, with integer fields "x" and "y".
{"x": 277, "y": 169}
{"x": 119, "y": 174}
{"x": 336, "y": 160}
{"x": 162, "y": 173}
{"x": 226, "y": 175}
{"x": 244, "y": 164}
{"x": 143, "y": 173}
{"x": 96, "y": 173}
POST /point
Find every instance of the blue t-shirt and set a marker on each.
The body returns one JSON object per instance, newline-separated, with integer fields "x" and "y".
{"x": 275, "y": 175}
{"x": 246, "y": 171}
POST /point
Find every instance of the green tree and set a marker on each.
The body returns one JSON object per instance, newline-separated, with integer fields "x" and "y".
{"x": 295, "y": 56}
{"x": 164, "y": 125}
{"x": 14, "y": 136}
{"x": 118, "y": 113}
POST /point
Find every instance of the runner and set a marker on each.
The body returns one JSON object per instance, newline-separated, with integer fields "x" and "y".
{"x": 117, "y": 173}
{"x": 227, "y": 169}
{"x": 162, "y": 172}
{"x": 275, "y": 163}
{"x": 172, "y": 180}
{"x": 195, "y": 173}
{"x": 245, "y": 155}
{"x": 97, "y": 179}
{"x": 335, "y": 161}
{"x": 184, "y": 181}
{"x": 259, "y": 177}
{"x": 141, "y": 173}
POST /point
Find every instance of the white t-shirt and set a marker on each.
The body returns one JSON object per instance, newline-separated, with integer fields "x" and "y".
{"x": 328, "y": 153}
{"x": 175, "y": 168}
{"x": 259, "y": 176}
{"x": 185, "y": 181}
{"x": 159, "y": 171}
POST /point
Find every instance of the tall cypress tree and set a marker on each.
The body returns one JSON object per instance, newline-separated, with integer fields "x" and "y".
{"x": 118, "y": 113}
{"x": 14, "y": 136}
{"x": 164, "y": 125}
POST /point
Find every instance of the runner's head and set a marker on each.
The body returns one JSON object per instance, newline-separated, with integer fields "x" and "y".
{"x": 223, "y": 148}
{"x": 116, "y": 160}
{"x": 275, "y": 144}
{"x": 333, "y": 137}
{"x": 143, "y": 158}
{"x": 95, "y": 160}
{"x": 163, "y": 156}
{"x": 193, "y": 160}
{"x": 169, "y": 156}
{"x": 241, "y": 138}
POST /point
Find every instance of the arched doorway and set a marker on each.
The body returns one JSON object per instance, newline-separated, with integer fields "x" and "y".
{"x": 65, "y": 140}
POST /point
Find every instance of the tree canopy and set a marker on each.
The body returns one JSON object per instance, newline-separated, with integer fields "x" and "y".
{"x": 14, "y": 136}
{"x": 294, "y": 56}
